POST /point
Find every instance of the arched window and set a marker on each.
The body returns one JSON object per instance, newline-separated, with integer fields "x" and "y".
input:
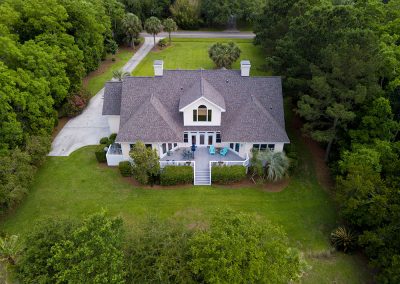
{"x": 202, "y": 114}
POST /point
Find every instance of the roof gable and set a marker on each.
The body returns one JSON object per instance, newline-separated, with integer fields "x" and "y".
{"x": 201, "y": 89}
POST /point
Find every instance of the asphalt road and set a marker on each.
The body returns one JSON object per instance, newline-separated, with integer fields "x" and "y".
{"x": 200, "y": 34}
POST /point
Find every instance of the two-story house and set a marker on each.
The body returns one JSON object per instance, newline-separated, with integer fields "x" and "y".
{"x": 177, "y": 108}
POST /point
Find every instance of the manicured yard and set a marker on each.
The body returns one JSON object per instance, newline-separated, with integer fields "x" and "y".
{"x": 97, "y": 79}
{"x": 77, "y": 185}
{"x": 193, "y": 54}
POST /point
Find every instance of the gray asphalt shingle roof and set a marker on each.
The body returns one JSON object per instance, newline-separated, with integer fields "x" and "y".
{"x": 149, "y": 106}
{"x": 112, "y": 98}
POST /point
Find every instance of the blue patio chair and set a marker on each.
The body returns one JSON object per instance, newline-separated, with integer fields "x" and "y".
{"x": 223, "y": 152}
{"x": 211, "y": 150}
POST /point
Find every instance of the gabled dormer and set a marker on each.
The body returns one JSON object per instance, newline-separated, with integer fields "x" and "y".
{"x": 201, "y": 105}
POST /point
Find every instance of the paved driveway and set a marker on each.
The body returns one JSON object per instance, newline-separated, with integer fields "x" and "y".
{"x": 88, "y": 127}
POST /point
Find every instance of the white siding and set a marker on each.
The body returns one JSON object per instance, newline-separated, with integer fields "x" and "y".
{"x": 125, "y": 147}
{"x": 113, "y": 123}
{"x": 188, "y": 114}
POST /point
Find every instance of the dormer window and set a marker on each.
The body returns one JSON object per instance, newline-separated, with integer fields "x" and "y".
{"x": 202, "y": 114}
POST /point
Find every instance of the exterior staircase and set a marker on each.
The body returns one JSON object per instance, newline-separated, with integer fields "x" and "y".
{"x": 202, "y": 177}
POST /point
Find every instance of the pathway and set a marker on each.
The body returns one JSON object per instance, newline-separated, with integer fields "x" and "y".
{"x": 88, "y": 127}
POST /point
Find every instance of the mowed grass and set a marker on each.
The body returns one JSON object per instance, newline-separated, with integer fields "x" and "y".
{"x": 186, "y": 53}
{"x": 96, "y": 83}
{"x": 75, "y": 186}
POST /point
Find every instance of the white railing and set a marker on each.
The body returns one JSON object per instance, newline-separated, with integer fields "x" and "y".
{"x": 113, "y": 159}
{"x": 176, "y": 163}
{"x": 244, "y": 163}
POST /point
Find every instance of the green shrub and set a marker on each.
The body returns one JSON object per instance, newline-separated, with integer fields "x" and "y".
{"x": 172, "y": 175}
{"x": 291, "y": 153}
{"x": 112, "y": 137}
{"x": 125, "y": 168}
{"x": 163, "y": 43}
{"x": 228, "y": 174}
{"x": 343, "y": 239}
{"x": 100, "y": 154}
{"x": 105, "y": 141}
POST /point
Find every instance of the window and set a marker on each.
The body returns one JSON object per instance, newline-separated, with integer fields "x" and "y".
{"x": 148, "y": 146}
{"x": 256, "y": 146}
{"x": 175, "y": 145}
{"x": 263, "y": 147}
{"x": 232, "y": 145}
{"x": 169, "y": 146}
{"x": 218, "y": 138}
{"x": 185, "y": 137}
{"x": 164, "y": 148}
{"x": 237, "y": 147}
{"x": 195, "y": 115}
{"x": 202, "y": 113}
{"x": 271, "y": 147}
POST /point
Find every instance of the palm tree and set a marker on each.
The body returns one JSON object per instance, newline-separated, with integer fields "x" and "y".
{"x": 9, "y": 249}
{"x": 170, "y": 26}
{"x": 277, "y": 164}
{"x": 120, "y": 74}
{"x": 153, "y": 26}
{"x": 132, "y": 27}
{"x": 224, "y": 55}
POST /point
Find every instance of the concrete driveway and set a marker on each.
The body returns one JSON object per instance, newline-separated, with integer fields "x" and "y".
{"x": 88, "y": 127}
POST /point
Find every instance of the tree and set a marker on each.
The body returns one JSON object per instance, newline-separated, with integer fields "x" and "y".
{"x": 146, "y": 163}
{"x": 238, "y": 249}
{"x": 224, "y": 55}
{"x": 92, "y": 253}
{"x": 132, "y": 27}
{"x": 120, "y": 74}
{"x": 186, "y": 13}
{"x": 170, "y": 26}
{"x": 158, "y": 253}
{"x": 153, "y": 26}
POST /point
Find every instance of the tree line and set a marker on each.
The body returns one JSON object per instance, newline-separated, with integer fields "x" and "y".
{"x": 341, "y": 66}
{"x": 230, "y": 247}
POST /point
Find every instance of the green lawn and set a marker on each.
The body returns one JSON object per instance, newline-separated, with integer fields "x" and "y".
{"x": 193, "y": 54}
{"x": 96, "y": 83}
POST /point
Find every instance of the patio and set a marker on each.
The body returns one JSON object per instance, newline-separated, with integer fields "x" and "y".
{"x": 201, "y": 156}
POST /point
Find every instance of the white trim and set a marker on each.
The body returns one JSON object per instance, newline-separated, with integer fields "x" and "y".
{"x": 207, "y": 100}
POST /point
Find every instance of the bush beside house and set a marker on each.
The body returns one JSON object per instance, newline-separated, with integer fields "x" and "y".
{"x": 173, "y": 175}
{"x": 125, "y": 168}
{"x": 228, "y": 174}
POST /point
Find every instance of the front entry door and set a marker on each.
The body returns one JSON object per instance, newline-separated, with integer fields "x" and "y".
{"x": 193, "y": 138}
{"x": 202, "y": 139}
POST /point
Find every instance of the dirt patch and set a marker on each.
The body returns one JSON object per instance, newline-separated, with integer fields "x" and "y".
{"x": 317, "y": 152}
{"x": 61, "y": 123}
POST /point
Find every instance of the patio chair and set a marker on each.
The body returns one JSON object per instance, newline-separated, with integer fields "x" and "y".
{"x": 211, "y": 150}
{"x": 224, "y": 151}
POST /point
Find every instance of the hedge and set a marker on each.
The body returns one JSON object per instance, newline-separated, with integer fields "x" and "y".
{"x": 228, "y": 174}
{"x": 125, "y": 168}
{"x": 105, "y": 141}
{"x": 100, "y": 154}
{"x": 112, "y": 137}
{"x": 172, "y": 175}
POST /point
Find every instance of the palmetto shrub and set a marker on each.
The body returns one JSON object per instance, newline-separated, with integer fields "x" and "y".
{"x": 343, "y": 239}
